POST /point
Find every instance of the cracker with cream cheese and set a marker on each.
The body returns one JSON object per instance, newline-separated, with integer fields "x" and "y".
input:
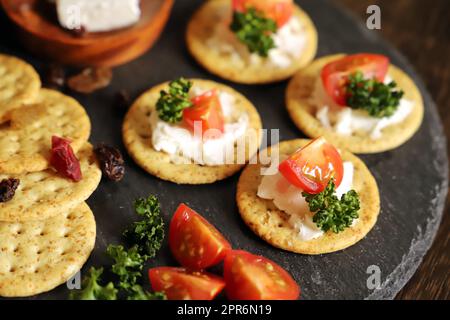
{"x": 137, "y": 137}
{"x": 303, "y": 112}
{"x": 202, "y": 26}
{"x": 271, "y": 224}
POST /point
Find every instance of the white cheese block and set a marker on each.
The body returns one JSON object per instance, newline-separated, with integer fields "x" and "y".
{"x": 98, "y": 15}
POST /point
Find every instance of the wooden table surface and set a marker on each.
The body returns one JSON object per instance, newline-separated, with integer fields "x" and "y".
{"x": 421, "y": 31}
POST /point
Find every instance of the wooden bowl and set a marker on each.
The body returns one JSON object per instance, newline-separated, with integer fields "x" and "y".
{"x": 41, "y": 33}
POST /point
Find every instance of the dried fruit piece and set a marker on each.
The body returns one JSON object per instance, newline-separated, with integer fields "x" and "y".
{"x": 64, "y": 160}
{"x": 90, "y": 80}
{"x": 55, "y": 77}
{"x": 122, "y": 100}
{"x": 111, "y": 162}
{"x": 8, "y": 189}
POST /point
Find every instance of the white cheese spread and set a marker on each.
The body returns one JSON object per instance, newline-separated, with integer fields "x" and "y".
{"x": 346, "y": 121}
{"x": 98, "y": 15}
{"x": 184, "y": 146}
{"x": 289, "y": 199}
{"x": 289, "y": 40}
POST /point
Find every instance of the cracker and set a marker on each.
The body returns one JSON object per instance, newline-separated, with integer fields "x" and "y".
{"x": 137, "y": 139}
{"x": 44, "y": 194}
{"x": 302, "y": 112}
{"x": 25, "y": 140}
{"x": 272, "y": 225}
{"x": 201, "y": 26}
{"x": 37, "y": 256}
{"x": 20, "y": 84}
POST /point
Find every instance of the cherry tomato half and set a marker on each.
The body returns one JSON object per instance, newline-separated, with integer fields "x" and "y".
{"x": 311, "y": 167}
{"x": 207, "y": 111}
{"x": 334, "y": 75}
{"x": 279, "y": 10}
{"x": 251, "y": 277}
{"x": 181, "y": 284}
{"x": 194, "y": 242}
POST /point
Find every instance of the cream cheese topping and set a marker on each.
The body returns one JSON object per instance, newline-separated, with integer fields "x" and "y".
{"x": 289, "y": 40}
{"x": 184, "y": 146}
{"x": 289, "y": 199}
{"x": 346, "y": 121}
{"x": 97, "y": 15}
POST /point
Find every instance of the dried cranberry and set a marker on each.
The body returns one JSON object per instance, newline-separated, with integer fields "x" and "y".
{"x": 64, "y": 160}
{"x": 8, "y": 189}
{"x": 111, "y": 162}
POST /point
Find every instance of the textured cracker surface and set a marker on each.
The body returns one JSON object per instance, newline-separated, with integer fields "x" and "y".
{"x": 25, "y": 140}
{"x": 201, "y": 27}
{"x": 44, "y": 194}
{"x": 19, "y": 84}
{"x": 271, "y": 224}
{"x": 302, "y": 112}
{"x": 137, "y": 139}
{"x": 37, "y": 256}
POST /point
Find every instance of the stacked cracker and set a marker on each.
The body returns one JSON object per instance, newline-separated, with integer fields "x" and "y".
{"x": 47, "y": 231}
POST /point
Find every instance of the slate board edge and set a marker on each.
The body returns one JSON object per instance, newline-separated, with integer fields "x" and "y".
{"x": 420, "y": 245}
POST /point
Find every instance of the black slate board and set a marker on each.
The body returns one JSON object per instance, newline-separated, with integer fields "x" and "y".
{"x": 412, "y": 179}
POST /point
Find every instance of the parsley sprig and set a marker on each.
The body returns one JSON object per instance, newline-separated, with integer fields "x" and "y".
{"x": 254, "y": 30}
{"x": 92, "y": 290}
{"x": 330, "y": 212}
{"x": 171, "y": 104}
{"x": 378, "y": 99}
{"x": 147, "y": 236}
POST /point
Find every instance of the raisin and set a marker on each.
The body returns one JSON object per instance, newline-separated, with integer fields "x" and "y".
{"x": 64, "y": 160}
{"x": 111, "y": 162}
{"x": 90, "y": 80}
{"x": 8, "y": 189}
{"x": 122, "y": 100}
{"x": 55, "y": 77}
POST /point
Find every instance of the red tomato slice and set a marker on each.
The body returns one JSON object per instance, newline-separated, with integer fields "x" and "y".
{"x": 194, "y": 242}
{"x": 207, "y": 111}
{"x": 251, "y": 277}
{"x": 279, "y": 10}
{"x": 334, "y": 75}
{"x": 181, "y": 284}
{"x": 311, "y": 167}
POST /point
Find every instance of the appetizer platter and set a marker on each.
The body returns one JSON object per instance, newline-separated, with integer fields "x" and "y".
{"x": 361, "y": 169}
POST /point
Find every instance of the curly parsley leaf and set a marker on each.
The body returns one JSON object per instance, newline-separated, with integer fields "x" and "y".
{"x": 92, "y": 290}
{"x": 148, "y": 233}
{"x": 136, "y": 292}
{"x": 330, "y": 212}
{"x": 254, "y": 30}
{"x": 127, "y": 265}
{"x": 378, "y": 99}
{"x": 171, "y": 104}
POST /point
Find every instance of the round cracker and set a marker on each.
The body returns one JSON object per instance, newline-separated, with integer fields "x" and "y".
{"x": 20, "y": 84}
{"x": 272, "y": 225}
{"x": 44, "y": 194}
{"x": 202, "y": 25}
{"x": 25, "y": 140}
{"x": 37, "y": 256}
{"x": 137, "y": 137}
{"x": 302, "y": 112}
